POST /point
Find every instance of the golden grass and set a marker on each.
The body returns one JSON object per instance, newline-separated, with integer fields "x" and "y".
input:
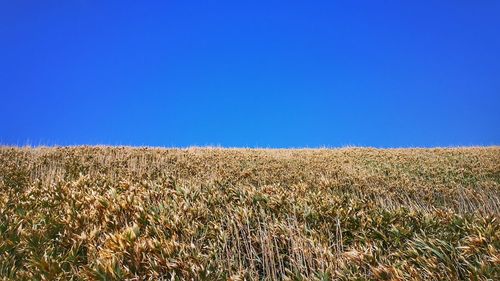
{"x": 234, "y": 214}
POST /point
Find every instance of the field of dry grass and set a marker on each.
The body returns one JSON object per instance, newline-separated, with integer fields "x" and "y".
{"x": 234, "y": 214}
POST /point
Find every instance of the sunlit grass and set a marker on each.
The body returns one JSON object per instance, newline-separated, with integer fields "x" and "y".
{"x": 216, "y": 214}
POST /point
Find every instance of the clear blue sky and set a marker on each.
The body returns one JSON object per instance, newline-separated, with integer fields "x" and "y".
{"x": 250, "y": 73}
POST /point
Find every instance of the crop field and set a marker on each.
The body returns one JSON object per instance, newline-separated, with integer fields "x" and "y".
{"x": 116, "y": 213}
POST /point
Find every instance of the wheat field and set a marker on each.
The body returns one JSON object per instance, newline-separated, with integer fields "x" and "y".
{"x": 121, "y": 213}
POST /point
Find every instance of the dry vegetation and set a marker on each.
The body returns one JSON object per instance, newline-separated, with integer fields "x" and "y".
{"x": 217, "y": 214}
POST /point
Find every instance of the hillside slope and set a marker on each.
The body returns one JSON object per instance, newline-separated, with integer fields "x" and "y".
{"x": 218, "y": 214}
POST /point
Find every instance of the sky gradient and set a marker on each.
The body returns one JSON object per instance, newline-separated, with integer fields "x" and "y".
{"x": 250, "y": 73}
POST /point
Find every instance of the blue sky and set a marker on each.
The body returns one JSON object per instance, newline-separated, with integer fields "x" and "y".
{"x": 250, "y": 73}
